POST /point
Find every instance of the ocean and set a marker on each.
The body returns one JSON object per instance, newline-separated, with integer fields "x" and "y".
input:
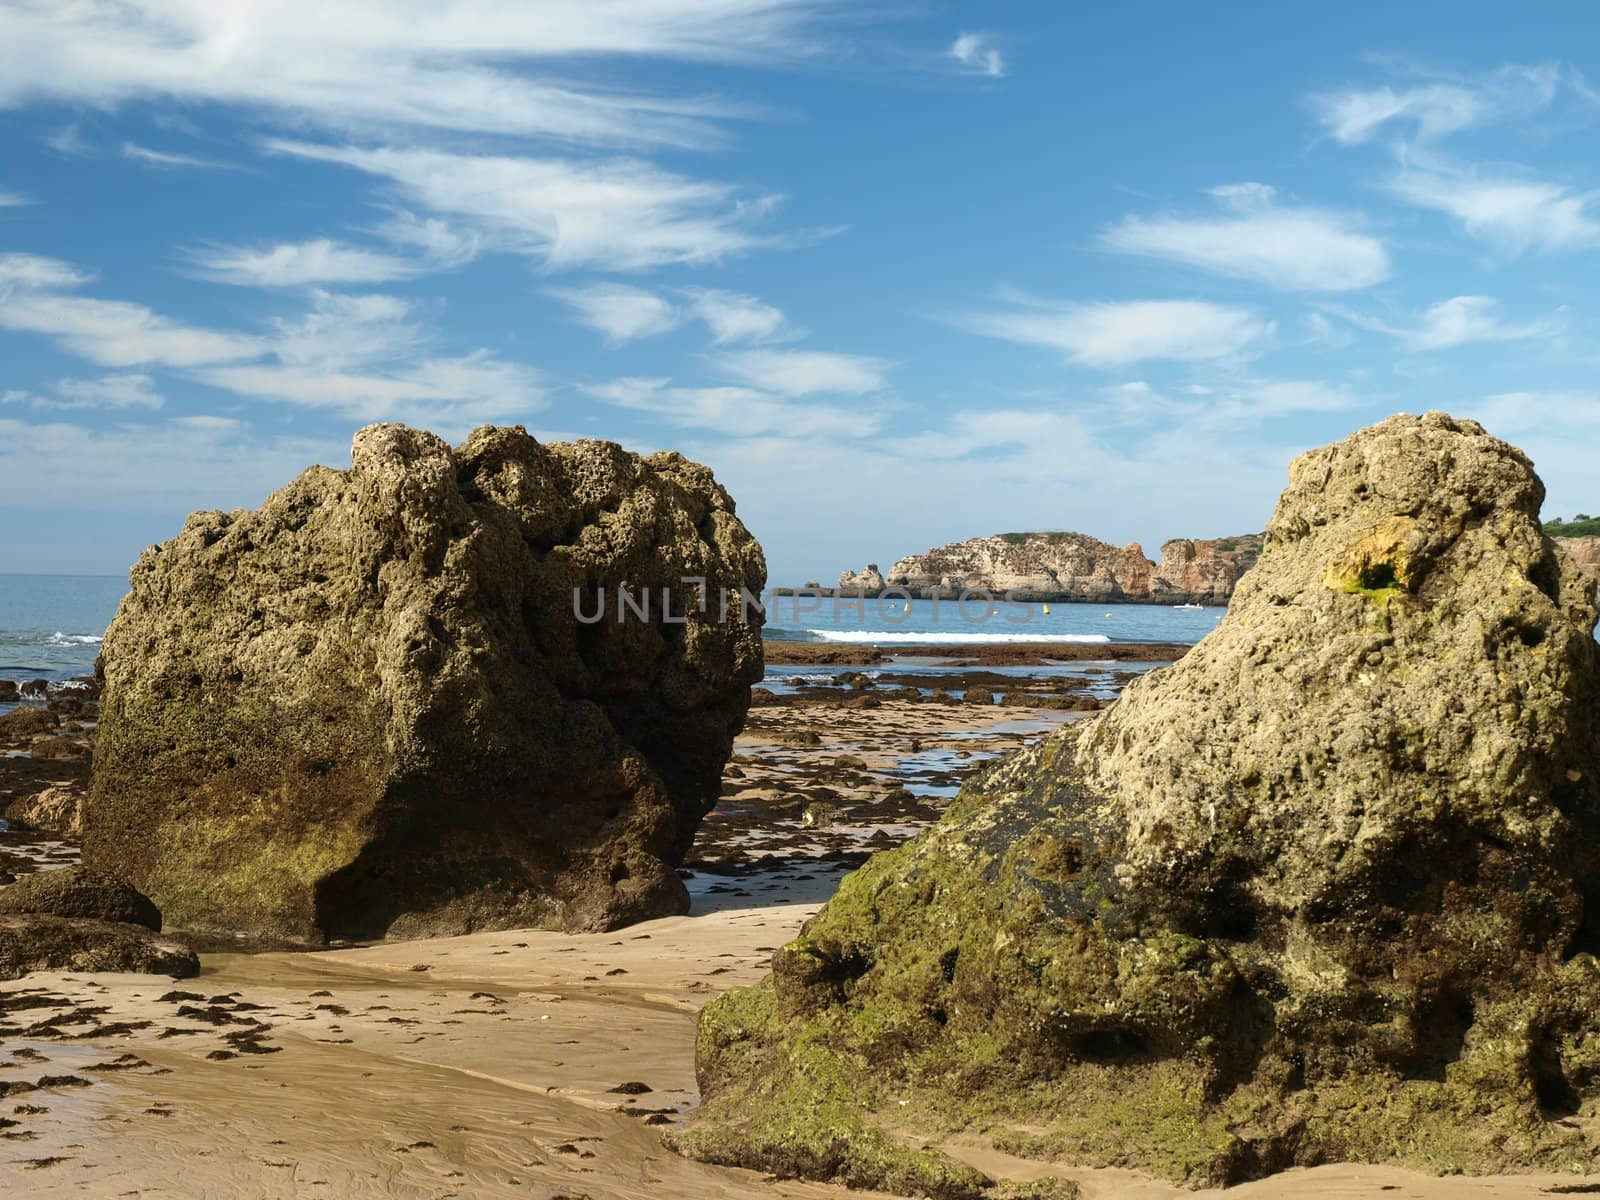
{"x": 51, "y": 625}
{"x": 929, "y": 623}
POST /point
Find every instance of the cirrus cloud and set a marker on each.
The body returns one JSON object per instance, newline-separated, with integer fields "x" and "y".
{"x": 1115, "y": 334}
{"x": 1294, "y": 249}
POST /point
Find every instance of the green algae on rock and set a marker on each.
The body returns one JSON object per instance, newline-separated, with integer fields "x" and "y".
{"x": 80, "y": 893}
{"x": 1327, "y": 889}
{"x": 370, "y": 708}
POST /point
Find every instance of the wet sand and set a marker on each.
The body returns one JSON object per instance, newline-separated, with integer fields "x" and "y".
{"x": 523, "y": 1063}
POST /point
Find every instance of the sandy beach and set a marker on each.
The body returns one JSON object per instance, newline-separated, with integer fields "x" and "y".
{"x": 531, "y": 1063}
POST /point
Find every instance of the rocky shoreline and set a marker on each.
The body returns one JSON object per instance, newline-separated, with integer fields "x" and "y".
{"x": 985, "y": 653}
{"x": 1065, "y": 568}
{"x": 1054, "y": 568}
{"x": 1025, "y": 921}
{"x": 500, "y": 1065}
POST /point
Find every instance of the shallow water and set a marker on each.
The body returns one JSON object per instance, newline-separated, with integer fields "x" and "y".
{"x": 1101, "y": 675}
{"x": 886, "y": 622}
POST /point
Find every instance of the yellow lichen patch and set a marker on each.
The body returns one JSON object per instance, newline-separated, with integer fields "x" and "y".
{"x": 1379, "y": 566}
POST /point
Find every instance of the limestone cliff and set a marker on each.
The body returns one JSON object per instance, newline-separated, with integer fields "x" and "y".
{"x": 1585, "y": 551}
{"x": 1074, "y": 566}
{"x": 869, "y": 580}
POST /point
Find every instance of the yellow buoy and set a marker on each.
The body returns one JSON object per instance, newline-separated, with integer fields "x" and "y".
{"x": 1047, "y": 610}
{"x": 1108, "y": 616}
{"x": 908, "y": 608}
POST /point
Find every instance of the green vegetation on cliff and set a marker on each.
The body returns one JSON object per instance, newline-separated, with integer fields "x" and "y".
{"x": 1582, "y": 525}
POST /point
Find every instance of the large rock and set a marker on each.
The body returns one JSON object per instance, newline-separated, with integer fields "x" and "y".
{"x": 869, "y": 580}
{"x": 32, "y": 942}
{"x": 1327, "y": 889}
{"x": 21, "y": 725}
{"x": 54, "y": 809}
{"x": 369, "y": 708}
{"x": 80, "y": 892}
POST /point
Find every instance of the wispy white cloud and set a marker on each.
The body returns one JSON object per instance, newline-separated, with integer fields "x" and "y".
{"x": 166, "y": 160}
{"x": 13, "y": 199}
{"x": 38, "y": 295}
{"x": 616, "y": 214}
{"x": 29, "y": 272}
{"x": 805, "y": 372}
{"x": 1511, "y": 215}
{"x": 1117, "y": 334}
{"x": 977, "y": 53}
{"x": 320, "y": 261}
{"x": 624, "y": 313}
{"x": 1510, "y": 414}
{"x": 1463, "y": 319}
{"x": 437, "y": 243}
{"x": 1510, "y": 210}
{"x": 733, "y": 317}
{"x": 976, "y": 433}
{"x": 1436, "y": 106}
{"x": 621, "y": 312}
{"x": 109, "y": 392}
{"x": 171, "y": 466}
{"x": 355, "y": 355}
{"x": 68, "y": 139}
{"x": 365, "y": 356}
{"x": 447, "y": 395}
{"x": 1296, "y": 249}
{"x": 737, "y": 412}
{"x": 1456, "y": 322}
{"x": 482, "y": 66}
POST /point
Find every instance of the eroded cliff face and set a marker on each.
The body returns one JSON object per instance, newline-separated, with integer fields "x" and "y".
{"x": 1585, "y": 551}
{"x": 1327, "y": 889}
{"x": 869, "y": 580}
{"x": 1074, "y": 566}
{"x": 369, "y": 708}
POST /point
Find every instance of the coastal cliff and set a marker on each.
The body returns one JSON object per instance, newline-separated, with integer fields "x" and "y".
{"x": 1585, "y": 551}
{"x": 1074, "y": 566}
{"x": 1071, "y": 566}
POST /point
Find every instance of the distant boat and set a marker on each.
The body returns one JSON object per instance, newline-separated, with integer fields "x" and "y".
{"x": 1190, "y": 607}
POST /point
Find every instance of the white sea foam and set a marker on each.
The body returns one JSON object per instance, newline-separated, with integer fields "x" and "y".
{"x": 72, "y": 639}
{"x": 873, "y": 637}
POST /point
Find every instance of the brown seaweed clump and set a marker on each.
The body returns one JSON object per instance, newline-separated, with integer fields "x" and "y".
{"x": 410, "y": 699}
{"x": 1326, "y": 890}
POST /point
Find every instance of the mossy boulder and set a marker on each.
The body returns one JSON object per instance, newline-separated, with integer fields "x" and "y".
{"x": 80, "y": 892}
{"x": 370, "y": 708}
{"x": 21, "y": 725}
{"x": 33, "y": 942}
{"x": 1327, "y": 889}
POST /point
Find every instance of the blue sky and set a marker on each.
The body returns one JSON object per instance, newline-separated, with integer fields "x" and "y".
{"x": 900, "y": 273}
